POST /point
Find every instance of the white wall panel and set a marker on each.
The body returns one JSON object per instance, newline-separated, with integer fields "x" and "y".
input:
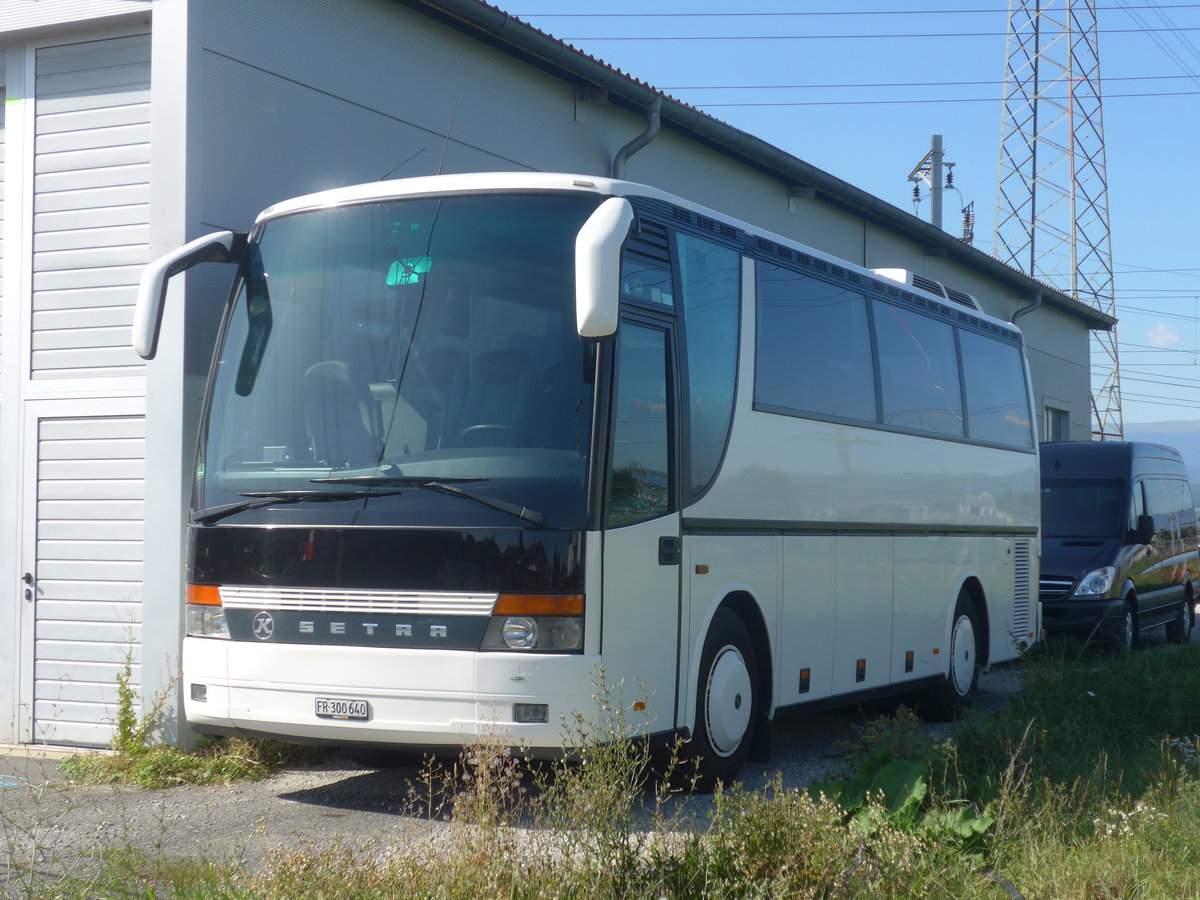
{"x": 3, "y": 104}
{"x": 88, "y": 572}
{"x": 91, "y": 205}
{"x": 20, "y": 15}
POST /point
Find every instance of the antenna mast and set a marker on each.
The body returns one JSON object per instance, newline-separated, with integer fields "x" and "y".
{"x": 1052, "y": 194}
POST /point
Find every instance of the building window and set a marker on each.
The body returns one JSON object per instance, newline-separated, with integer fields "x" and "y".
{"x": 1058, "y": 425}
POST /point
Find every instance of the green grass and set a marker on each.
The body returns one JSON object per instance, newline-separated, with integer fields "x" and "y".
{"x": 139, "y": 759}
{"x": 1087, "y": 785}
{"x": 1086, "y": 717}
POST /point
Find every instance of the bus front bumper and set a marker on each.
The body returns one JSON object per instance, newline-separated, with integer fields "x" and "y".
{"x": 412, "y": 699}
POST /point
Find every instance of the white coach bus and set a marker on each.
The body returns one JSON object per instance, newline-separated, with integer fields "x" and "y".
{"x": 470, "y": 439}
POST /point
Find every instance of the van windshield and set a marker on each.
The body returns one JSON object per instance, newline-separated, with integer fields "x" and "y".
{"x": 1083, "y": 507}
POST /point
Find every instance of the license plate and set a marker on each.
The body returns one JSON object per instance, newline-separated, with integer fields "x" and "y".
{"x": 335, "y": 708}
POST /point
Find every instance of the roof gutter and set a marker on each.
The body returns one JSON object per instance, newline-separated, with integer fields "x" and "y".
{"x": 497, "y": 27}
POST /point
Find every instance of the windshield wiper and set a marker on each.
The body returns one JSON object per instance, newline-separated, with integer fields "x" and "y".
{"x": 256, "y": 499}
{"x": 441, "y": 486}
{"x": 396, "y": 480}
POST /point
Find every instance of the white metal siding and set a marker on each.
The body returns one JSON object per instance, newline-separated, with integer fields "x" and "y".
{"x": 91, "y": 205}
{"x": 3, "y": 104}
{"x": 18, "y": 15}
{"x": 89, "y": 573}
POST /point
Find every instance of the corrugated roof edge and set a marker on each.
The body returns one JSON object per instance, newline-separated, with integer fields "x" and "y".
{"x": 496, "y": 27}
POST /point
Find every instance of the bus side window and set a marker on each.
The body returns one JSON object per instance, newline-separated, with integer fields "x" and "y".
{"x": 711, "y": 288}
{"x": 639, "y": 483}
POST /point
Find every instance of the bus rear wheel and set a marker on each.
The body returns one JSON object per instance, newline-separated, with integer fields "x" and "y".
{"x": 727, "y": 701}
{"x": 947, "y": 700}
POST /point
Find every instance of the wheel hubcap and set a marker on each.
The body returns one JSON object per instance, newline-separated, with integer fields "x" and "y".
{"x": 962, "y": 655}
{"x": 728, "y": 701}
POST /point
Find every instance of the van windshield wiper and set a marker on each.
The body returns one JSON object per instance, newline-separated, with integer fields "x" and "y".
{"x": 256, "y": 499}
{"x": 441, "y": 486}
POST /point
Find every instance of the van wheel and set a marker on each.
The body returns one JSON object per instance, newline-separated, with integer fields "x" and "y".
{"x": 727, "y": 701}
{"x": 1121, "y": 634}
{"x": 1179, "y": 631}
{"x": 946, "y": 701}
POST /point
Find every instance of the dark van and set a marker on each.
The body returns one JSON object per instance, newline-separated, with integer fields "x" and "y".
{"x": 1119, "y": 543}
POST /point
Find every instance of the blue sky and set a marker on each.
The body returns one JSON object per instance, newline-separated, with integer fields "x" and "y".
{"x": 780, "y": 81}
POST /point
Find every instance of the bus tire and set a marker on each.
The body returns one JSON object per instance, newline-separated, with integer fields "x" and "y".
{"x": 948, "y": 700}
{"x": 727, "y": 701}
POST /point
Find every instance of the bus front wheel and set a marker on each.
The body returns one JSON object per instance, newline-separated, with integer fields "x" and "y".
{"x": 946, "y": 701}
{"x": 727, "y": 701}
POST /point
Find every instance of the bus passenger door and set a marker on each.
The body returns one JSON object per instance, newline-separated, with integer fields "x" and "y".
{"x": 642, "y": 551}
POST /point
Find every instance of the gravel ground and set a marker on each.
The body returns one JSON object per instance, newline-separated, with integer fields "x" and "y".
{"x": 52, "y": 828}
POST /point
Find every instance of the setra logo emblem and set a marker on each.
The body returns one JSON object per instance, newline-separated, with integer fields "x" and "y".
{"x": 264, "y": 626}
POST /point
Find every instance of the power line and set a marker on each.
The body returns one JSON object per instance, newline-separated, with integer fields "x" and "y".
{"x": 1151, "y": 349}
{"x": 929, "y": 100}
{"x": 844, "y": 37}
{"x": 891, "y": 84}
{"x": 1162, "y": 42}
{"x": 1155, "y": 400}
{"x": 1160, "y": 314}
{"x": 809, "y": 13}
{"x": 1135, "y": 269}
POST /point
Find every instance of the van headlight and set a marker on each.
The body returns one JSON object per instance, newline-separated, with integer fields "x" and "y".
{"x": 1096, "y": 583}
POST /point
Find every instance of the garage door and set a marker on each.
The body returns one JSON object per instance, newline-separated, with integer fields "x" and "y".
{"x": 87, "y": 575}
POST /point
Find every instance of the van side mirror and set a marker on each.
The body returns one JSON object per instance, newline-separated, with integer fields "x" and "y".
{"x": 598, "y": 268}
{"x": 1144, "y": 533}
{"x": 221, "y": 246}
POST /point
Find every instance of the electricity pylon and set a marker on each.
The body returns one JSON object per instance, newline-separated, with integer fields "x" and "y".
{"x": 1052, "y": 197}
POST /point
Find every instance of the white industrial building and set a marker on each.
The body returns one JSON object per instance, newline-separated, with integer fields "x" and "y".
{"x": 130, "y": 127}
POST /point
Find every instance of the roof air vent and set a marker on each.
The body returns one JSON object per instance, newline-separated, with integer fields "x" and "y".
{"x": 911, "y": 279}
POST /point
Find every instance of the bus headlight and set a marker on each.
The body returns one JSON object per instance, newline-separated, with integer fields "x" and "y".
{"x": 1096, "y": 583}
{"x": 551, "y": 623}
{"x": 204, "y": 616}
{"x": 207, "y": 621}
{"x": 520, "y": 632}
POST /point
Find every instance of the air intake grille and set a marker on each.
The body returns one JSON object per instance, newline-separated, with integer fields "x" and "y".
{"x": 1055, "y": 587}
{"x": 1020, "y": 620}
{"x": 928, "y": 284}
{"x": 353, "y": 601}
{"x": 959, "y": 297}
{"x": 651, "y": 241}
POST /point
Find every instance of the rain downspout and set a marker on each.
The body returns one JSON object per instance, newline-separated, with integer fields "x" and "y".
{"x": 1025, "y": 310}
{"x": 653, "y": 121}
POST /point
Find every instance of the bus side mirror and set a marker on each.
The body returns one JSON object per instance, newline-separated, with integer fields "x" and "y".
{"x": 598, "y": 268}
{"x": 221, "y": 246}
{"x": 1144, "y": 533}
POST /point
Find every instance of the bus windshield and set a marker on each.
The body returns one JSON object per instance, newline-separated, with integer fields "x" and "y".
{"x": 1083, "y": 507}
{"x": 406, "y": 342}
